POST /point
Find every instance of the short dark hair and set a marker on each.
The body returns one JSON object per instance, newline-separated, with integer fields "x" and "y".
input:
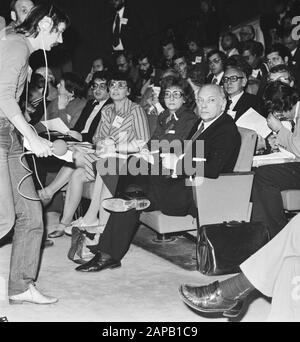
{"x": 37, "y": 82}
{"x": 238, "y": 62}
{"x": 254, "y": 47}
{"x": 280, "y": 97}
{"x": 101, "y": 75}
{"x": 221, "y": 54}
{"x": 74, "y": 84}
{"x": 119, "y": 76}
{"x": 30, "y": 26}
{"x": 282, "y": 50}
{"x": 280, "y": 68}
{"x": 171, "y": 81}
{"x": 166, "y": 41}
{"x": 144, "y": 54}
{"x": 180, "y": 54}
{"x": 233, "y": 37}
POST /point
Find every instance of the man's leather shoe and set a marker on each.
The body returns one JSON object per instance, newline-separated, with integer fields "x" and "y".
{"x": 120, "y": 205}
{"x": 98, "y": 263}
{"x": 32, "y": 295}
{"x": 209, "y": 299}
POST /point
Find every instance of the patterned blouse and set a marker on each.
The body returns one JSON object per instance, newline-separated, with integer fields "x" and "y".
{"x": 127, "y": 125}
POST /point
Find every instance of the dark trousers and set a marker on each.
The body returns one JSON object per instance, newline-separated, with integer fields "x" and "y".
{"x": 269, "y": 181}
{"x": 172, "y": 197}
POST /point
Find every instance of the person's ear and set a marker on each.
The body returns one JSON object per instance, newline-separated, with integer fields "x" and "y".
{"x": 46, "y": 24}
{"x": 286, "y": 60}
{"x": 244, "y": 82}
{"x": 13, "y": 16}
{"x": 224, "y": 105}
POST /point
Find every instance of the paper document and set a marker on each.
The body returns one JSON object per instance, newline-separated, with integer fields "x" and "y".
{"x": 253, "y": 120}
{"x": 283, "y": 156}
{"x": 56, "y": 125}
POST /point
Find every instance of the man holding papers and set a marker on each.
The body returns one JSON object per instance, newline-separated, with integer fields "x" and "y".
{"x": 282, "y": 102}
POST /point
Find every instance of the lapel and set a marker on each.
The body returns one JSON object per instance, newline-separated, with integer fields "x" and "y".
{"x": 202, "y": 135}
{"x": 125, "y": 16}
{"x": 240, "y": 106}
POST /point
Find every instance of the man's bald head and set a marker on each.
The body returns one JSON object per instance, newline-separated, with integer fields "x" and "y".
{"x": 211, "y": 102}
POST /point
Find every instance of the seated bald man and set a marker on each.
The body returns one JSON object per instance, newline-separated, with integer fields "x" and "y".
{"x": 221, "y": 147}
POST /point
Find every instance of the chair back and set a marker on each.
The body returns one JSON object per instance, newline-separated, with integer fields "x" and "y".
{"x": 245, "y": 157}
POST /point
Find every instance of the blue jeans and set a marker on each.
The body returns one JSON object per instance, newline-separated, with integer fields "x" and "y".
{"x": 24, "y": 215}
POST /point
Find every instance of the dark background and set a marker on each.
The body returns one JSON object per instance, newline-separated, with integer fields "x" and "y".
{"x": 87, "y": 36}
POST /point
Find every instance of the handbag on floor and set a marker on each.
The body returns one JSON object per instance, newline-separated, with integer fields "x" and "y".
{"x": 221, "y": 248}
{"x": 79, "y": 251}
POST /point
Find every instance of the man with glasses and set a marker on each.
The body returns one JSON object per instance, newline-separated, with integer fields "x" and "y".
{"x": 90, "y": 117}
{"x": 216, "y": 63}
{"x": 239, "y": 102}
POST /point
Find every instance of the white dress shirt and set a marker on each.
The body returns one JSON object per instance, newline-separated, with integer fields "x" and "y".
{"x": 218, "y": 78}
{"x": 234, "y": 100}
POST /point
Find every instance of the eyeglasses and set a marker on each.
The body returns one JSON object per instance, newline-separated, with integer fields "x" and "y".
{"x": 232, "y": 79}
{"x": 118, "y": 84}
{"x": 214, "y": 61}
{"x": 210, "y": 100}
{"x": 102, "y": 86}
{"x": 175, "y": 94}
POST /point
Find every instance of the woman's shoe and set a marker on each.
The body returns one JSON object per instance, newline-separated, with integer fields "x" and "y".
{"x": 58, "y": 232}
{"x": 45, "y": 197}
{"x": 91, "y": 228}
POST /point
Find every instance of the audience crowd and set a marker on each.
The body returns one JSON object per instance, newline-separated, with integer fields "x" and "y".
{"x": 132, "y": 98}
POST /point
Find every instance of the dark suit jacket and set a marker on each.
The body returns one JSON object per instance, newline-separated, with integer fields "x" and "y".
{"x": 221, "y": 148}
{"x": 246, "y": 102}
{"x": 139, "y": 32}
{"x": 209, "y": 79}
{"x": 222, "y": 143}
{"x": 86, "y": 112}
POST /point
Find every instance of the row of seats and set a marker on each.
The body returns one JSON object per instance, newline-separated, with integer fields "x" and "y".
{"x": 224, "y": 199}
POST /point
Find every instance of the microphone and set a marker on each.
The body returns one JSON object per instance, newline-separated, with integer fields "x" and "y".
{"x": 59, "y": 147}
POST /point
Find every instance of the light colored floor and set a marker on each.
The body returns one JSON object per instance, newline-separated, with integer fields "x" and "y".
{"x": 144, "y": 289}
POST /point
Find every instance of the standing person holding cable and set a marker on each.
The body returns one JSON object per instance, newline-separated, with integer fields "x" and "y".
{"x": 42, "y": 29}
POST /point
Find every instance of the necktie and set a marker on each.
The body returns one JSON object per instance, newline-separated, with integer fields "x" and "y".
{"x": 116, "y": 33}
{"x": 214, "y": 81}
{"x": 229, "y": 103}
{"x": 293, "y": 126}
